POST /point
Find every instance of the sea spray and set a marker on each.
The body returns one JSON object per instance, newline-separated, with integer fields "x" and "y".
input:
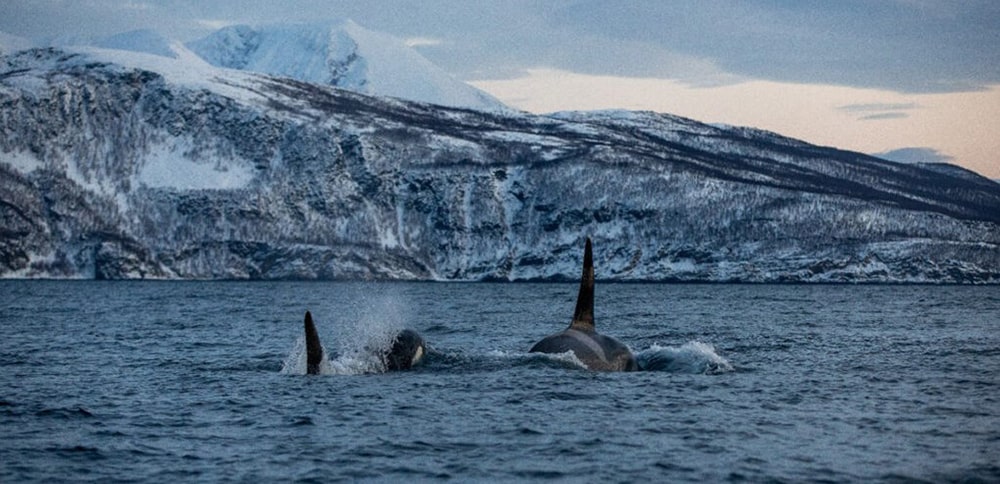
{"x": 358, "y": 334}
{"x": 691, "y": 357}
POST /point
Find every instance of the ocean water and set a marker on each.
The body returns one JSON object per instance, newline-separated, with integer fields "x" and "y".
{"x": 203, "y": 381}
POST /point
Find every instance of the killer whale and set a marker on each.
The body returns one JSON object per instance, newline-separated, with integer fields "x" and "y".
{"x": 408, "y": 349}
{"x": 595, "y": 350}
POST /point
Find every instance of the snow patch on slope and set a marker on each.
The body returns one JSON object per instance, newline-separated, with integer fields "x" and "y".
{"x": 167, "y": 167}
{"x": 22, "y": 161}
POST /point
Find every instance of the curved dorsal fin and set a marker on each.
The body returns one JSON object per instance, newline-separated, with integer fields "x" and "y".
{"x": 583, "y": 317}
{"x": 314, "y": 350}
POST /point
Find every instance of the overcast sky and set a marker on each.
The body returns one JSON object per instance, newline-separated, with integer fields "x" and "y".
{"x": 917, "y": 79}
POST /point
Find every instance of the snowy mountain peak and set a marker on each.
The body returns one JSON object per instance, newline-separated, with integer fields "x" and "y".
{"x": 340, "y": 54}
{"x": 143, "y": 41}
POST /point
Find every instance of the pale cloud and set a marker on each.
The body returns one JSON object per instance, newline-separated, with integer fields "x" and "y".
{"x": 422, "y": 42}
{"x": 916, "y": 46}
{"x": 871, "y": 107}
{"x": 881, "y": 116}
{"x": 961, "y": 125}
{"x": 879, "y": 111}
{"x": 214, "y": 24}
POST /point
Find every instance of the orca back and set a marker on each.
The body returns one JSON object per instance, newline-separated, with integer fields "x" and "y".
{"x": 596, "y": 351}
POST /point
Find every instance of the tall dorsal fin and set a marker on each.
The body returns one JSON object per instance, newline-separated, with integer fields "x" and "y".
{"x": 314, "y": 350}
{"x": 583, "y": 317}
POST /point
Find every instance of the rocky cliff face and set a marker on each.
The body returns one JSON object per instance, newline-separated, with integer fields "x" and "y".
{"x": 126, "y": 167}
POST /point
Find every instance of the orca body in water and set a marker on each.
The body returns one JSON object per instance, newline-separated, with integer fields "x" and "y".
{"x": 408, "y": 348}
{"x": 595, "y": 350}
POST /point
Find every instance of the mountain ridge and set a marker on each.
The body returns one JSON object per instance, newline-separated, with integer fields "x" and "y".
{"x": 304, "y": 181}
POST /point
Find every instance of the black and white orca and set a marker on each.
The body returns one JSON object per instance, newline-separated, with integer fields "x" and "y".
{"x": 408, "y": 349}
{"x": 595, "y": 350}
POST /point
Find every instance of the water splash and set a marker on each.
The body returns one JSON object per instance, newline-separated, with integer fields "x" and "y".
{"x": 295, "y": 362}
{"x": 356, "y": 363}
{"x": 566, "y": 359}
{"x": 500, "y": 359}
{"x": 355, "y": 342}
{"x": 692, "y": 357}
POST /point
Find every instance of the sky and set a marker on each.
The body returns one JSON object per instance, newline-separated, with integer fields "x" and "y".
{"x": 911, "y": 80}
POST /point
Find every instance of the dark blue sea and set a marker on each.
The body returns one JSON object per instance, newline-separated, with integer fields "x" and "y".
{"x": 203, "y": 381}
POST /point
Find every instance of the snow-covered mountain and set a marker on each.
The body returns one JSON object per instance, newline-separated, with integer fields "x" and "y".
{"x": 343, "y": 55}
{"x": 143, "y": 41}
{"x": 118, "y": 164}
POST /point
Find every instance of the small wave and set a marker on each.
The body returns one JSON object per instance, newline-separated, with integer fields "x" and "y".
{"x": 78, "y": 452}
{"x": 303, "y": 421}
{"x": 692, "y": 357}
{"x": 65, "y": 413}
{"x": 441, "y": 328}
{"x": 540, "y": 474}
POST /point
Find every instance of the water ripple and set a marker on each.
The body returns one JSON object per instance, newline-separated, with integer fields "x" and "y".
{"x": 193, "y": 382}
